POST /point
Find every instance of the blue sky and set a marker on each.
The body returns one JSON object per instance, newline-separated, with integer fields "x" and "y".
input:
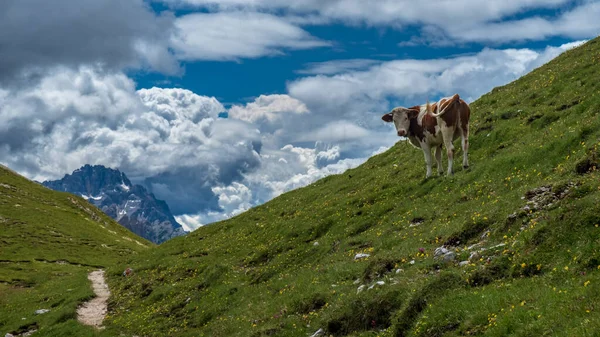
{"x": 140, "y": 85}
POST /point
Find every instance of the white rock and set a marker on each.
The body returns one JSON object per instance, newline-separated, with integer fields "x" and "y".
{"x": 361, "y": 288}
{"x": 463, "y": 263}
{"x": 361, "y": 256}
{"x": 318, "y": 333}
{"x": 9, "y": 335}
{"x": 444, "y": 253}
{"x": 357, "y": 281}
{"x": 399, "y": 270}
{"x": 449, "y": 257}
{"x": 498, "y": 245}
{"x": 316, "y": 243}
{"x": 439, "y": 251}
{"x": 474, "y": 256}
{"x": 380, "y": 283}
{"x": 41, "y": 311}
{"x": 412, "y": 262}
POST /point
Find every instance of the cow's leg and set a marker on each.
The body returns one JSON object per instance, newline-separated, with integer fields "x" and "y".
{"x": 465, "y": 145}
{"x": 427, "y": 153}
{"x": 448, "y": 134}
{"x": 438, "y": 159}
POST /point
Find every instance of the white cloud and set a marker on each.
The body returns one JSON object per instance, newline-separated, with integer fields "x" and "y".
{"x": 305, "y": 166}
{"x": 189, "y": 222}
{"x": 414, "y": 81}
{"x": 580, "y": 22}
{"x": 180, "y": 104}
{"x": 335, "y": 132}
{"x": 268, "y": 108}
{"x": 442, "y": 23}
{"x": 234, "y": 199}
{"x": 231, "y": 36}
{"x": 281, "y": 170}
{"x": 206, "y": 168}
{"x": 385, "y": 12}
{"x": 336, "y": 66}
{"x": 116, "y": 34}
{"x": 168, "y": 136}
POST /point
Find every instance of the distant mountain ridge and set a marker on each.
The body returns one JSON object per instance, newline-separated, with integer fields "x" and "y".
{"x": 131, "y": 205}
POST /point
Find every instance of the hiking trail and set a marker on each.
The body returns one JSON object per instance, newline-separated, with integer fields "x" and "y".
{"x": 93, "y": 311}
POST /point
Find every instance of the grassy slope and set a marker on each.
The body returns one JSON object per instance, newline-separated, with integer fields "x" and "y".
{"x": 49, "y": 241}
{"x": 262, "y": 273}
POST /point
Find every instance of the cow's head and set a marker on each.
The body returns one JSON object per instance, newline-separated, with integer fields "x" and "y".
{"x": 401, "y": 117}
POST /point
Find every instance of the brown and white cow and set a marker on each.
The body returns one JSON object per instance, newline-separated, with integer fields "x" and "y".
{"x": 430, "y": 126}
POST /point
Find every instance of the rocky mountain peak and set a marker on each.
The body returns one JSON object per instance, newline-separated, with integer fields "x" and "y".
{"x": 131, "y": 205}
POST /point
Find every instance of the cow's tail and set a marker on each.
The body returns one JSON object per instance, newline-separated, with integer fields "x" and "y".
{"x": 439, "y": 105}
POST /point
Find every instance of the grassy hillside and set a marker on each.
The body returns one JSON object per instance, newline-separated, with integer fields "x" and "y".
{"x": 49, "y": 241}
{"x": 288, "y": 267}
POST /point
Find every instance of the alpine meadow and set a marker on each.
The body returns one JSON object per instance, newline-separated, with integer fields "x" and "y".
{"x": 508, "y": 247}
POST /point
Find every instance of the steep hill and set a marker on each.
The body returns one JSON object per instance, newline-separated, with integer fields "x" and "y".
{"x": 131, "y": 205}
{"x": 49, "y": 241}
{"x": 525, "y": 219}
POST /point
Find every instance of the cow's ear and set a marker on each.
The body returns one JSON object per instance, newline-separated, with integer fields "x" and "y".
{"x": 388, "y": 117}
{"x": 412, "y": 113}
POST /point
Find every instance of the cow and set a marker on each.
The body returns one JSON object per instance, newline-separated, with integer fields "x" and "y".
{"x": 430, "y": 126}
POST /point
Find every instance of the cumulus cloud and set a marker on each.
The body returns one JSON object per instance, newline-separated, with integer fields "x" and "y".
{"x": 336, "y": 131}
{"x": 442, "y": 23}
{"x": 336, "y": 66}
{"x": 281, "y": 170}
{"x": 384, "y": 12}
{"x": 117, "y": 35}
{"x": 170, "y": 140}
{"x": 579, "y": 22}
{"x": 233, "y": 200}
{"x": 167, "y": 138}
{"x": 305, "y": 166}
{"x": 180, "y": 104}
{"x": 113, "y": 33}
{"x": 414, "y": 81}
{"x": 230, "y": 36}
{"x": 268, "y": 108}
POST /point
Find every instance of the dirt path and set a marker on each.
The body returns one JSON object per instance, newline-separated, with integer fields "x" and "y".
{"x": 92, "y": 312}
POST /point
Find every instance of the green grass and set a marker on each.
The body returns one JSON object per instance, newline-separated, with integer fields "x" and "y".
{"x": 49, "y": 241}
{"x": 262, "y": 273}
{"x": 287, "y": 268}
